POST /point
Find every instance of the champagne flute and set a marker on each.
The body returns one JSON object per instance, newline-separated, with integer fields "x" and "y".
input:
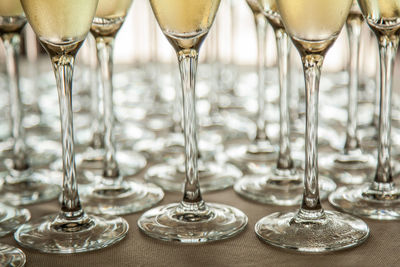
{"x": 379, "y": 199}
{"x": 186, "y": 23}
{"x": 313, "y": 26}
{"x": 62, "y": 26}
{"x": 113, "y": 194}
{"x": 260, "y": 151}
{"x": 23, "y": 182}
{"x": 284, "y": 184}
{"x": 352, "y": 165}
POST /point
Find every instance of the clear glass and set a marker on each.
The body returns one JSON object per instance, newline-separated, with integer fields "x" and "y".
{"x": 191, "y": 220}
{"x": 283, "y": 185}
{"x": 23, "y": 182}
{"x": 352, "y": 165}
{"x": 71, "y": 230}
{"x": 112, "y": 193}
{"x": 311, "y": 229}
{"x": 380, "y": 199}
{"x": 260, "y": 153}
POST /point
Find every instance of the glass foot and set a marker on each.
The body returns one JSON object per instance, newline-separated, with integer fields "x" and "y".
{"x": 283, "y": 188}
{"x": 11, "y": 218}
{"x": 29, "y": 186}
{"x": 348, "y": 169}
{"x": 212, "y": 176}
{"x": 253, "y": 158}
{"x": 173, "y": 223}
{"x": 125, "y": 198}
{"x": 365, "y": 201}
{"x": 50, "y": 234}
{"x": 129, "y": 162}
{"x": 10, "y": 256}
{"x": 333, "y": 231}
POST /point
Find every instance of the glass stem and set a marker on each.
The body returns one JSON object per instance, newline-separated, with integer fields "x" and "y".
{"x": 192, "y": 199}
{"x": 11, "y": 43}
{"x": 353, "y": 25}
{"x": 105, "y": 56}
{"x": 387, "y": 50}
{"x": 285, "y": 160}
{"x": 63, "y": 68}
{"x": 311, "y": 204}
{"x": 97, "y": 141}
{"x": 261, "y": 27}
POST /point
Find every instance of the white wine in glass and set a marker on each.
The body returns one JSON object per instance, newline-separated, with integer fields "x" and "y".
{"x": 62, "y": 26}
{"x": 380, "y": 199}
{"x": 186, "y": 23}
{"x": 112, "y": 193}
{"x": 313, "y": 26}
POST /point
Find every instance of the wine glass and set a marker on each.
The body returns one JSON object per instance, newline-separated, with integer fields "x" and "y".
{"x": 112, "y": 193}
{"x": 62, "y": 26}
{"x": 24, "y": 183}
{"x": 284, "y": 184}
{"x": 352, "y": 165}
{"x": 186, "y": 23}
{"x": 379, "y": 199}
{"x": 313, "y": 26}
{"x": 254, "y": 156}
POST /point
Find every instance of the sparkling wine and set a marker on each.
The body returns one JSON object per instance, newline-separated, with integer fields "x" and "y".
{"x": 112, "y": 9}
{"x": 110, "y": 16}
{"x": 381, "y": 13}
{"x": 185, "y": 22}
{"x": 60, "y": 21}
{"x": 270, "y": 10}
{"x": 314, "y": 24}
{"x": 10, "y": 8}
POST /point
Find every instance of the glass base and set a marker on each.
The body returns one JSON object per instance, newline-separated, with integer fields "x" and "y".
{"x": 129, "y": 162}
{"x": 255, "y": 158}
{"x": 334, "y": 231}
{"x": 50, "y": 234}
{"x": 212, "y": 176}
{"x": 172, "y": 223}
{"x": 125, "y": 198}
{"x": 283, "y": 188}
{"x": 348, "y": 169}
{"x": 11, "y": 218}
{"x": 10, "y": 256}
{"x": 29, "y": 186}
{"x": 363, "y": 200}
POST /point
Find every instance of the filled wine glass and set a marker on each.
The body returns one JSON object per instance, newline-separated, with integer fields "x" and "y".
{"x": 352, "y": 165}
{"x": 284, "y": 184}
{"x": 62, "y": 26}
{"x": 23, "y": 182}
{"x": 186, "y": 23}
{"x": 112, "y": 193}
{"x": 313, "y": 26}
{"x": 379, "y": 199}
{"x": 255, "y": 156}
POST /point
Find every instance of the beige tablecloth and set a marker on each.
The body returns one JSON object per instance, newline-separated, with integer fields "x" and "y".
{"x": 382, "y": 248}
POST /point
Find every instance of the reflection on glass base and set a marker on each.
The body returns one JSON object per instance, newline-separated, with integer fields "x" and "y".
{"x": 11, "y": 218}
{"x": 125, "y": 198}
{"x": 348, "y": 169}
{"x": 10, "y": 256}
{"x": 284, "y": 188}
{"x": 334, "y": 231}
{"x": 252, "y": 158}
{"x": 212, "y": 176}
{"x": 29, "y": 186}
{"x": 365, "y": 201}
{"x": 50, "y": 234}
{"x": 129, "y": 162}
{"x": 173, "y": 223}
